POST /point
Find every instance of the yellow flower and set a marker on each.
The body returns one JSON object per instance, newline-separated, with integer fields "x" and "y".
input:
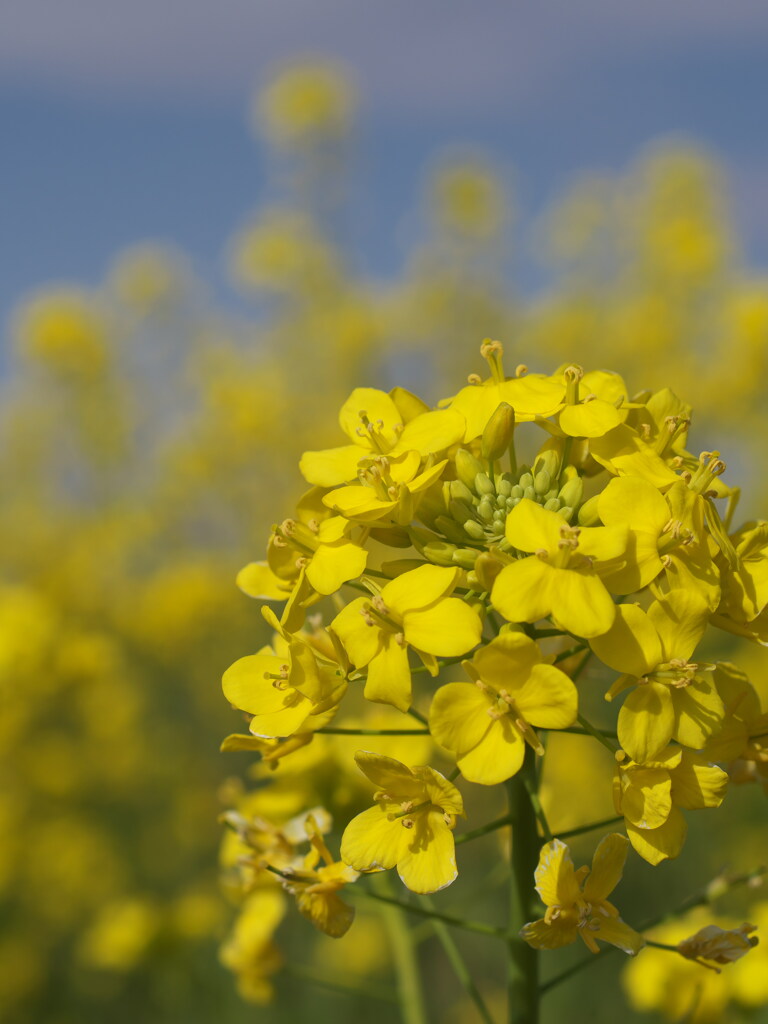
{"x": 306, "y": 103}
{"x": 623, "y": 452}
{"x": 376, "y": 425}
{"x": 413, "y": 610}
{"x": 673, "y": 696}
{"x": 745, "y": 587}
{"x": 666, "y": 531}
{"x": 286, "y": 689}
{"x": 562, "y": 578}
{"x": 389, "y": 488}
{"x": 485, "y": 725}
{"x": 317, "y": 888}
{"x": 249, "y": 951}
{"x": 650, "y": 796}
{"x": 576, "y": 901}
{"x": 410, "y": 825}
{"x": 595, "y": 402}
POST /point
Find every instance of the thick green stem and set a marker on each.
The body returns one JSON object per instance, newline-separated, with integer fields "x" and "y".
{"x": 522, "y": 973}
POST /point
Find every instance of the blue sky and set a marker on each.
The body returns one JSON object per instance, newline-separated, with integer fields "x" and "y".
{"x": 127, "y": 121}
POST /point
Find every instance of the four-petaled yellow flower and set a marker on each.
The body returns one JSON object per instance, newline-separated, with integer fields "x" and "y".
{"x": 562, "y": 576}
{"x": 375, "y": 424}
{"x": 486, "y": 724}
{"x": 576, "y": 901}
{"x": 673, "y": 696}
{"x": 410, "y": 826}
{"x": 413, "y": 610}
{"x": 650, "y": 796}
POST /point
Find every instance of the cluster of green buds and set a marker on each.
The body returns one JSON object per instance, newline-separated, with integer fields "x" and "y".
{"x": 469, "y": 513}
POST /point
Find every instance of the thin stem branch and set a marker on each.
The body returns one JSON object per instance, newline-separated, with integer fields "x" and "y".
{"x": 345, "y": 987}
{"x": 564, "y": 655}
{"x": 457, "y": 962}
{"x": 529, "y": 782}
{"x": 598, "y": 734}
{"x": 591, "y": 827}
{"x": 484, "y": 830}
{"x": 457, "y": 922}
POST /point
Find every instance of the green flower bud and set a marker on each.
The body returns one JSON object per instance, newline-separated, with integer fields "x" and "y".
{"x": 542, "y": 481}
{"x": 566, "y": 512}
{"x": 572, "y": 492}
{"x": 588, "y": 513}
{"x": 465, "y": 557}
{"x": 529, "y": 493}
{"x": 467, "y": 467}
{"x": 547, "y": 461}
{"x": 552, "y": 505}
{"x": 439, "y": 553}
{"x": 485, "y": 510}
{"x": 474, "y": 530}
{"x": 461, "y": 510}
{"x": 526, "y": 480}
{"x": 461, "y": 492}
{"x": 504, "y": 486}
{"x": 517, "y": 492}
{"x": 498, "y": 432}
{"x": 484, "y": 484}
{"x": 450, "y": 529}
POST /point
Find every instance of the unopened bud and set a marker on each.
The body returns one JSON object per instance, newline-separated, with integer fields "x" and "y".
{"x": 487, "y": 568}
{"x": 541, "y": 482}
{"x": 484, "y": 484}
{"x": 486, "y": 509}
{"x": 525, "y": 480}
{"x": 552, "y": 504}
{"x": 450, "y": 529}
{"x": 588, "y": 513}
{"x": 465, "y": 557}
{"x": 460, "y": 491}
{"x": 467, "y": 467}
{"x": 572, "y": 492}
{"x": 439, "y": 553}
{"x": 474, "y": 530}
{"x": 548, "y": 460}
{"x": 498, "y": 432}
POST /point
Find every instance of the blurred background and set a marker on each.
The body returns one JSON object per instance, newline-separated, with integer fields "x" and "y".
{"x": 217, "y": 220}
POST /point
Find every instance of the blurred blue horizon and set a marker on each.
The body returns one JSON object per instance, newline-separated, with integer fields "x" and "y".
{"x": 137, "y": 128}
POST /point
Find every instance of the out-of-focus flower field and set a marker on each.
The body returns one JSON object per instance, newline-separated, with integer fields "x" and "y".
{"x": 147, "y": 439}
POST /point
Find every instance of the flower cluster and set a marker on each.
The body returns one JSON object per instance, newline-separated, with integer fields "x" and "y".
{"x": 527, "y": 527}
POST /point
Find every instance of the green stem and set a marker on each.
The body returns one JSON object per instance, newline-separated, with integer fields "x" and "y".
{"x": 564, "y": 655}
{"x": 457, "y": 962}
{"x": 598, "y": 734}
{"x": 484, "y": 830}
{"x": 418, "y": 716}
{"x": 590, "y": 828}
{"x": 582, "y": 665}
{"x": 334, "y": 731}
{"x": 457, "y": 922}
{"x": 405, "y": 957}
{"x": 522, "y": 971}
{"x": 529, "y": 781}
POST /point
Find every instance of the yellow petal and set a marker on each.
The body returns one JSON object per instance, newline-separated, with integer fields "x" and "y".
{"x": 680, "y": 618}
{"x": 380, "y": 410}
{"x": 658, "y": 844}
{"x": 619, "y": 934}
{"x": 607, "y": 867}
{"x": 246, "y": 687}
{"x": 285, "y": 722}
{"x": 507, "y": 660}
{"x": 631, "y": 645}
{"x": 548, "y": 700}
{"x": 643, "y": 564}
{"x": 696, "y": 783}
{"x": 358, "y": 502}
{"x": 334, "y": 564}
{"x": 389, "y": 675}
{"x": 646, "y": 721}
{"x": 449, "y": 628}
{"x": 624, "y": 453}
{"x": 419, "y": 588}
{"x": 331, "y": 466}
{"x": 698, "y": 712}
{"x": 589, "y": 419}
{"x": 541, "y": 935}
{"x": 633, "y": 502}
{"x": 431, "y": 432}
{"x": 580, "y": 602}
{"x": 603, "y": 543}
{"x": 555, "y": 877}
{"x": 498, "y": 756}
{"x": 529, "y": 527}
{"x": 371, "y": 842}
{"x": 458, "y": 716}
{"x": 361, "y": 641}
{"x": 439, "y": 790}
{"x": 646, "y": 799}
{"x": 257, "y": 580}
{"x": 522, "y": 590}
{"x": 327, "y": 912}
{"x": 429, "y": 863}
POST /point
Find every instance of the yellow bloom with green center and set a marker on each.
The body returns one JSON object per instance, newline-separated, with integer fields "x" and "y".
{"x": 373, "y": 422}
{"x": 316, "y": 884}
{"x": 576, "y": 901}
{"x": 286, "y": 689}
{"x": 413, "y": 610}
{"x": 650, "y": 796}
{"x": 389, "y": 489}
{"x": 409, "y": 827}
{"x": 561, "y": 578}
{"x": 673, "y": 697}
{"x": 666, "y": 532}
{"x": 486, "y": 724}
